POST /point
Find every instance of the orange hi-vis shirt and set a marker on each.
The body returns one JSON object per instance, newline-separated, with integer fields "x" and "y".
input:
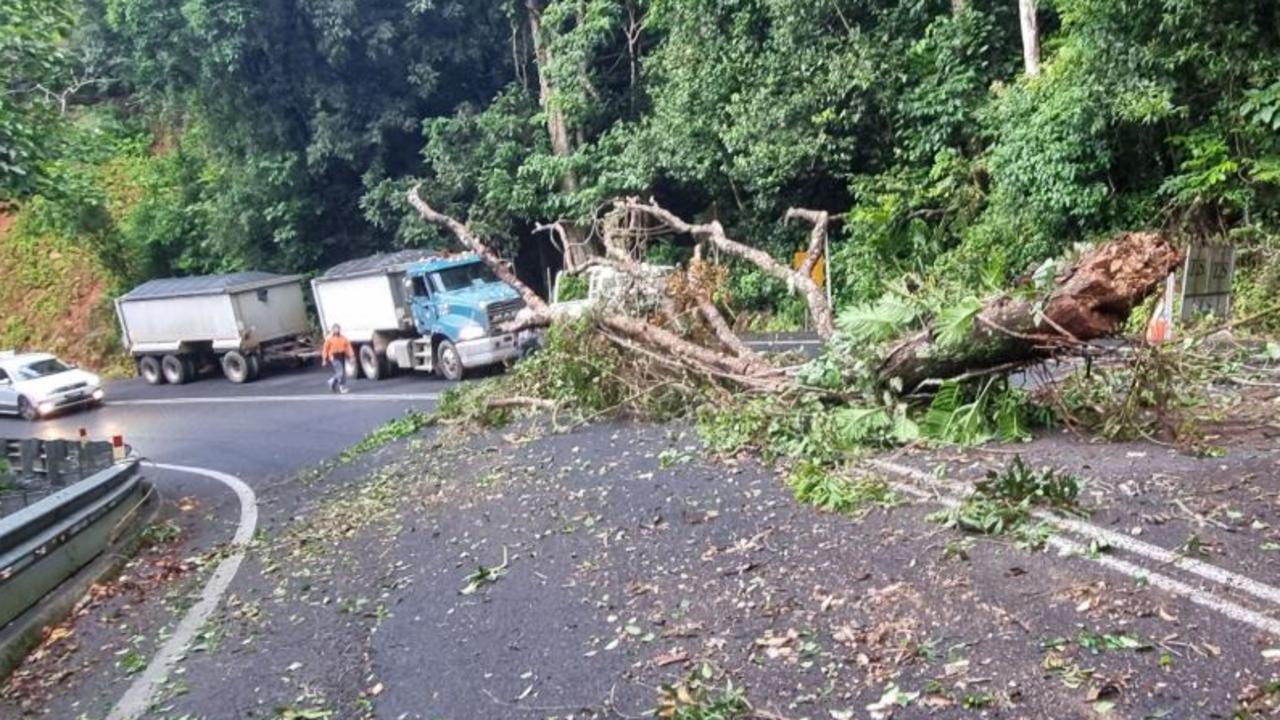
{"x": 336, "y": 345}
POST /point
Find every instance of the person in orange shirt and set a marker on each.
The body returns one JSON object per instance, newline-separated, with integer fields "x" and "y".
{"x": 337, "y": 351}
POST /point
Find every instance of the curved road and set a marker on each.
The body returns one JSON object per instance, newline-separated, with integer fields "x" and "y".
{"x": 276, "y": 426}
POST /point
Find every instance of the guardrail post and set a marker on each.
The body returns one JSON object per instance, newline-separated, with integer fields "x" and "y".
{"x": 55, "y": 460}
{"x": 29, "y": 452}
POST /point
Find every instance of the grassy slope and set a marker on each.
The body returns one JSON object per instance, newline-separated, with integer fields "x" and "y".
{"x": 55, "y": 296}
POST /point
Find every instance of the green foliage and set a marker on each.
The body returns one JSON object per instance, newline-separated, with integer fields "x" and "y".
{"x": 1003, "y": 503}
{"x": 411, "y": 423}
{"x": 572, "y": 287}
{"x": 832, "y": 491}
{"x": 968, "y": 414}
{"x": 1160, "y": 392}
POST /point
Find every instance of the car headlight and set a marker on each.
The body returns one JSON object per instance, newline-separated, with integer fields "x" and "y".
{"x": 45, "y": 408}
{"x": 99, "y": 394}
{"x": 471, "y": 332}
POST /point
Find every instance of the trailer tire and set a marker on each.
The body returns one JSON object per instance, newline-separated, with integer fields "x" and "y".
{"x": 372, "y": 363}
{"x": 174, "y": 369}
{"x": 149, "y": 369}
{"x": 255, "y": 366}
{"x": 449, "y": 362}
{"x": 193, "y": 369}
{"x": 236, "y": 367}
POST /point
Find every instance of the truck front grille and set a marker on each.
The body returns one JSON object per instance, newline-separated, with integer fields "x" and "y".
{"x": 504, "y": 311}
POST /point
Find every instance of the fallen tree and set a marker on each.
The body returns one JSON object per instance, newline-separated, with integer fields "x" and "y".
{"x": 1088, "y": 299}
{"x": 1092, "y": 298}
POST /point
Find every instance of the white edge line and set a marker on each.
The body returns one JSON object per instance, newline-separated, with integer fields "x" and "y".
{"x": 1227, "y": 608}
{"x": 1155, "y": 553}
{"x": 137, "y": 699}
{"x": 275, "y": 398}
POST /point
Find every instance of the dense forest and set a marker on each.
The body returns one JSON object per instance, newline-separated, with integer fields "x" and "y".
{"x": 952, "y": 139}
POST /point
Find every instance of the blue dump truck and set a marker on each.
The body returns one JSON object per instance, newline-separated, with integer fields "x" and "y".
{"x": 416, "y": 311}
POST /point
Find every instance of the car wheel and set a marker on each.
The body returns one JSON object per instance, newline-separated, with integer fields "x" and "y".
{"x": 27, "y": 410}
{"x": 372, "y": 362}
{"x": 149, "y": 369}
{"x": 448, "y": 362}
{"x": 174, "y": 369}
{"x": 236, "y": 367}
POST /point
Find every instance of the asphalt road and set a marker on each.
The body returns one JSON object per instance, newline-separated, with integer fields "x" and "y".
{"x": 276, "y": 426}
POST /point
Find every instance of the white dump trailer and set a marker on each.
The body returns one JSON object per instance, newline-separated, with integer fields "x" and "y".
{"x": 370, "y": 299}
{"x": 240, "y": 322}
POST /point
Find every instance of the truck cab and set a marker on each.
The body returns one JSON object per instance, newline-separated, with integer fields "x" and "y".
{"x": 458, "y": 308}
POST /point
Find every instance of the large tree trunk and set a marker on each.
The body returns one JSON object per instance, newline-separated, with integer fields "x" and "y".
{"x": 1030, "y": 36}
{"x": 577, "y": 249}
{"x": 1092, "y": 299}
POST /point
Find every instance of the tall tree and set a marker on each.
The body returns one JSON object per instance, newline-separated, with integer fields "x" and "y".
{"x": 1030, "y": 36}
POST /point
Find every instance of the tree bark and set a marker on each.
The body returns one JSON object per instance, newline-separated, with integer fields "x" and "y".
{"x": 1030, "y": 36}
{"x": 475, "y": 245}
{"x": 1092, "y": 299}
{"x": 576, "y": 248}
{"x": 713, "y": 233}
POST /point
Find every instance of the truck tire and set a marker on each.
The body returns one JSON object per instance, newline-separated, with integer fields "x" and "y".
{"x": 174, "y": 369}
{"x": 372, "y": 363}
{"x": 448, "y": 362}
{"x": 193, "y": 369}
{"x": 255, "y": 366}
{"x": 149, "y": 369}
{"x": 236, "y": 367}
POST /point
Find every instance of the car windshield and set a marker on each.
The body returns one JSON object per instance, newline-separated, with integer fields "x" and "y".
{"x": 42, "y": 368}
{"x": 463, "y": 276}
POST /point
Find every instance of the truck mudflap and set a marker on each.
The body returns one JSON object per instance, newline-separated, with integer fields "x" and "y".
{"x": 489, "y": 350}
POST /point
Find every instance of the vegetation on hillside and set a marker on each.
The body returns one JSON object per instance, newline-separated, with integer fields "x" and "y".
{"x": 161, "y": 138}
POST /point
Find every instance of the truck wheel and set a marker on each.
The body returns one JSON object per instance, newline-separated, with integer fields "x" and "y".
{"x": 255, "y": 366}
{"x": 193, "y": 370}
{"x": 236, "y": 367}
{"x": 372, "y": 362}
{"x": 27, "y": 410}
{"x": 448, "y": 362}
{"x": 149, "y": 369}
{"x": 174, "y": 369}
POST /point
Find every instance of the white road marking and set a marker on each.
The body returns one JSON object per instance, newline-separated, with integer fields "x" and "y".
{"x": 137, "y": 699}
{"x": 1232, "y": 610}
{"x": 252, "y": 399}
{"x": 1208, "y": 571}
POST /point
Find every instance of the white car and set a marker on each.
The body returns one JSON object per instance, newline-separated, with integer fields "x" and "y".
{"x": 36, "y": 385}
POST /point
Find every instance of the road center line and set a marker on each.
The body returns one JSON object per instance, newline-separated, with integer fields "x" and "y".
{"x": 1155, "y": 553}
{"x": 251, "y": 399}
{"x": 1229, "y": 609}
{"x": 136, "y": 700}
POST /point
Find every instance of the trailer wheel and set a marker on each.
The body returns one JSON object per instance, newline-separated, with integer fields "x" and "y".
{"x": 372, "y": 362}
{"x": 236, "y": 367}
{"x": 255, "y": 366}
{"x": 193, "y": 370}
{"x": 448, "y": 362}
{"x": 174, "y": 369}
{"x": 149, "y": 369}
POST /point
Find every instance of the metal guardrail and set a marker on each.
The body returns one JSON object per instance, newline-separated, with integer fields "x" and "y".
{"x": 38, "y": 468}
{"x": 43, "y": 544}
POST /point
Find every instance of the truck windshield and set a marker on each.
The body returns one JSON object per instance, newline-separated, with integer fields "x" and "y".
{"x": 463, "y": 276}
{"x": 41, "y": 368}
